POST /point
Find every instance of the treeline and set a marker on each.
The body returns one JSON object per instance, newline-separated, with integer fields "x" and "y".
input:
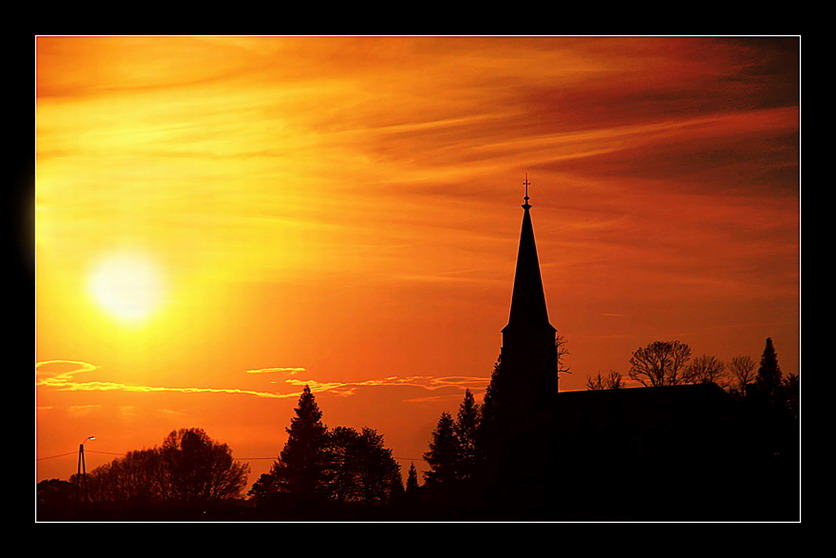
{"x": 317, "y": 468}
{"x": 189, "y": 469}
{"x": 668, "y": 363}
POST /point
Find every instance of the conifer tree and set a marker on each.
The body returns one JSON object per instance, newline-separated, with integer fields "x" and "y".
{"x": 769, "y": 373}
{"x": 443, "y": 456}
{"x": 466, "y": 429}
{"x": 493, "y": 422}
{"x": 299, "y": 469}
{"x": 492, "y": 405}
{"x": 412, "y": 481}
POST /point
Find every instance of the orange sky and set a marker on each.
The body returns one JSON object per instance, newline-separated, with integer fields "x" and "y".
{"x": 343, "y": 212}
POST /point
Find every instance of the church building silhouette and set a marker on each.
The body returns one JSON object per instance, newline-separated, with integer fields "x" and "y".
{"x": 648, "y": 453}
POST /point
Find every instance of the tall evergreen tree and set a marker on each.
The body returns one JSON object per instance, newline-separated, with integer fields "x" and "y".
{"x": 492, "y": 404}
{"x": 491, "y": 435}
{"x": 412, "y": 481}
{"x": 299, "y": 469}
{"x": 769, "y": 377}
{"x": 443, "y": 456}
{"x": 466, "y": 429}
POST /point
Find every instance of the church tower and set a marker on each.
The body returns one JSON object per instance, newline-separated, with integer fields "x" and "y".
{"x": 528, "y": 358}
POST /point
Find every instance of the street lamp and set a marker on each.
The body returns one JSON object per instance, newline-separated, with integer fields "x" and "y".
{"x": 81, "y": 472}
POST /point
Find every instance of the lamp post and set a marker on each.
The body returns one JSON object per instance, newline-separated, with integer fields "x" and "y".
{"x": 81, "y": 472}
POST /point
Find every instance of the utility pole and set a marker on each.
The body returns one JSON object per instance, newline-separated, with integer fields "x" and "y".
{"x": 81, "y": 472}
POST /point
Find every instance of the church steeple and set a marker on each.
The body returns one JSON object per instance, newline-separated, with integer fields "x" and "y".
{"x": 528, "y": 301}
{"x": 528, "y": 358}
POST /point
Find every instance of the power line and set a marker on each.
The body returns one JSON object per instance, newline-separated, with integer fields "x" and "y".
{"x": 235, "y": 458}
{"x": 76, "y": 452}
{"x": 393, "y": 457}
{"x": 59, "y": 455}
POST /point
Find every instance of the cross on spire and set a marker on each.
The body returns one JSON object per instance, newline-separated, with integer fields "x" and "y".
{"x": 526, "y": 205}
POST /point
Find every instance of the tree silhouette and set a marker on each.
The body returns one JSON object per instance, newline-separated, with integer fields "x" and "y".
{"x": 769, "y": 376}
{"x": 199, "y": 469}
{"x": 707, "y": 369}
{"x": 490, "y": 404}
{"x": 342, "y": 468}
{"x": 742, "y": 371}
{"x": 358, "y": 468}
{"x": 496, "y": 428}
{"x": 264, "y": 488}
{"x": 560, "y": 343}
{"x": 299, "y": 469}
{"x": 612, "y": 381}
{"x": 494, "y": 413}
{"x": 380, "y": 474}
{"x": 773, "y": 406}
{"x": 443, "y": 456}
{"x": 412, "y": 481}
{"x": 660, "y": 363}
{"x": 466, "y": 429}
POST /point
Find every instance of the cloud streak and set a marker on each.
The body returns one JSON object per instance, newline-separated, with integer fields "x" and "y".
{"x": 65, "y": 381}
{"x": 289, "y": 370}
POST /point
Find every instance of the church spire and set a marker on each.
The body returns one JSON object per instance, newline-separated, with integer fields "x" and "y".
{"x": 528, "y": 301}
{"x": 526, "y": 379}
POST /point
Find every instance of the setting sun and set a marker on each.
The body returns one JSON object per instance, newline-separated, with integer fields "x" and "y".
{"x": 128, "y": 286}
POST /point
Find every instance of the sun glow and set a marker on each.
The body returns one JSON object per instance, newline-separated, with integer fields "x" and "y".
{"x": 128, "y": 286}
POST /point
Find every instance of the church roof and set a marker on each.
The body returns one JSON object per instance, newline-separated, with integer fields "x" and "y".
{"x": 643, "y": 408}
{"x": 528, "y": 300}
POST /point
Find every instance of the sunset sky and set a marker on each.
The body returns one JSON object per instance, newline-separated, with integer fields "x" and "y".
{"x": 221, "y": 221}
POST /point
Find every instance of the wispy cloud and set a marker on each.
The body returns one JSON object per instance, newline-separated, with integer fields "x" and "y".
{"x": 64, "y": 380}
{"x": 290, "y": 370}
{"x": 429, "y": 383}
